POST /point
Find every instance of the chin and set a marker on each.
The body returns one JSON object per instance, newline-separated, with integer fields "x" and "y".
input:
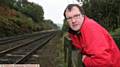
{"x": 76, "y": 29}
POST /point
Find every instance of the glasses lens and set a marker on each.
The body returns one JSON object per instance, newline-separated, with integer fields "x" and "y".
{"x": 74, "y": 17}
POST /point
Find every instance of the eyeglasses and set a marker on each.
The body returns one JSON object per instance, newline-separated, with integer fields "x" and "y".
{"x": 69, "y": 19}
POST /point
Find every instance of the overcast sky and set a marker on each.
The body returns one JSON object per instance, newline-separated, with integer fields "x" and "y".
{"x": 53, "y": 9}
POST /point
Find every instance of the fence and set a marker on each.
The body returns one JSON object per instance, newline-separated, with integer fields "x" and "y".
{"x": 73, "y": 58}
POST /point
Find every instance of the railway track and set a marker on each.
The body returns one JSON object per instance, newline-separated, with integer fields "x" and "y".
{"x": 6, "y": 40}
{"x": 21, "y": 48}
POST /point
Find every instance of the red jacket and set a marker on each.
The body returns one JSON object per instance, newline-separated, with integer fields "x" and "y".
{"x": 97, "y": 44}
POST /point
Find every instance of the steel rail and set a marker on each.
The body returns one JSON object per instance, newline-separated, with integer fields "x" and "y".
{"x": 29, "y": 53}
{"x": 20, "y": 37}
{"x": 32, "y": 51}
{"x": 26, "y": 43}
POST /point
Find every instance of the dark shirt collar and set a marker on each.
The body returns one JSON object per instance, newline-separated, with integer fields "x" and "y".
{"x": 74, "y": 32}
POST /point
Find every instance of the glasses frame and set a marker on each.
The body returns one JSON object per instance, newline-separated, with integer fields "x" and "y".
{"x": 76, "y": 16}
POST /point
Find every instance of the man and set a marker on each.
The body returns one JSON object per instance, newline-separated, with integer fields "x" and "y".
{"x": 95, "y": 43}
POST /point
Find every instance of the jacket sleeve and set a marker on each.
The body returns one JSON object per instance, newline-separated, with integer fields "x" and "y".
{"x": 98, "y": 52}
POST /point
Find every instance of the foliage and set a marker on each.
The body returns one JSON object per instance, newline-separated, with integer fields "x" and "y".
{"x": 65, "y": 26}
{"x": 12, "y": 25}
{"x": 21, "y": 16}
{"x": 9, "y": 3}
{"x": 106, "y": 12}
{"x": 34, "y": 11}
{"x": 116, "y": 32}
{"x": 30, "y": 9}
{"x": 49, "y": 24}
{"x": 116, "y": 36}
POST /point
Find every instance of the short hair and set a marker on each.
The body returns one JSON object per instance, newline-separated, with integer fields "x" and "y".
{"x": 70, "y": 6}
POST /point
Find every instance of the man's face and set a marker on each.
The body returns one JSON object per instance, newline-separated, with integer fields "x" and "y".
{"x": 74, "y": 18}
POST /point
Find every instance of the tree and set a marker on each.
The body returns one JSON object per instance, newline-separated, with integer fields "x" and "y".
{"x": 33, "y": 10}
{"x": 106, "y": 12}
{"x": 65, "y": 26}
{"x": 9, "y": 3}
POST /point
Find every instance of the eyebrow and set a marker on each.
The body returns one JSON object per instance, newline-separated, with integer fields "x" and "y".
{"x": 73, "y": 16}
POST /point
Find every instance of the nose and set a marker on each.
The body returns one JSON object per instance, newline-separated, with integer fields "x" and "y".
{"x": 73, "y": 20}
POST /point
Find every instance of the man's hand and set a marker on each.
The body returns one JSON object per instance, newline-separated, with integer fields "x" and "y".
{"x": 83, "y": 57}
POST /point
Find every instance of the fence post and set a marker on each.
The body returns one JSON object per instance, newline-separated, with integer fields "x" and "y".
{"x": 73, "y": 57}
{"x": 67, "y": 51}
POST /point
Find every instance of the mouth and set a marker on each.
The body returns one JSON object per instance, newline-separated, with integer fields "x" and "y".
{"x": 75, "y": 25}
